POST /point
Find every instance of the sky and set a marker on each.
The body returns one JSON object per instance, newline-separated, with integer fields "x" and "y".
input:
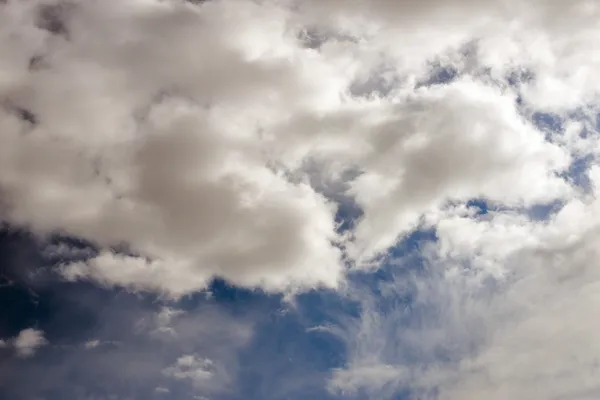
{"x": 299, "y": 199}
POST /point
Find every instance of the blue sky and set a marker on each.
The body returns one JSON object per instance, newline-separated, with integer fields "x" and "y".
{"x": 275, "y": 200}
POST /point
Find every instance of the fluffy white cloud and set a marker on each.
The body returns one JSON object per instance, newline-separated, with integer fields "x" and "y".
{"x": 497, "y": 36}
{"x": 28, "y": 341}
{"x": 163, "y": 153}
{"x": 453, "y": 143}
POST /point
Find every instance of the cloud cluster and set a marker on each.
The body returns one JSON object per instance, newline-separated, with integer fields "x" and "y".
{"x": 183, "y": 132}
{"x": 191, "y": 140}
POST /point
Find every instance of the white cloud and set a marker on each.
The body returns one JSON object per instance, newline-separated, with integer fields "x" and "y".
{"x": 543, "y": 342}
{"x": 193, "y": 152}
{"x": 166, "y": 315}
{"x": 537, "y": 35}
{"x": 424, "y": 157}
{"x": 202, "y": 373}
{"x": 92, "y": 344}
{"x": 164, "y": 320}
{"x": 28, "y": 341}
{"x": 166, "y": 156}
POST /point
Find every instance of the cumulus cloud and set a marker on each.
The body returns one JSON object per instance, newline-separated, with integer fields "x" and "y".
{"x": 164, "y": 156}
{"x": 502, "y": 36}
{"x": 28, "y": 341}
{"x": 424, "y": 158}
{"x": 191, "y": 152}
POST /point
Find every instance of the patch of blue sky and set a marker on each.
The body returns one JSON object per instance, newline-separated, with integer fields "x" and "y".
{"x": 237, "y": 300}
{"x": 287, "y": 358}
{"x": 577, "y": 173}
{"x": 548, "y": 122}
{"x": 404, "y": 258}
{"x": 348, "y": 214}
{"x": 537, "y": 212}
{"x": 412, "y": 243}
{"x": 439, "y": 75}
{"x": 543, "y": 212}
{"x": 392, "y": 286}
{"x": 480, "y": 205}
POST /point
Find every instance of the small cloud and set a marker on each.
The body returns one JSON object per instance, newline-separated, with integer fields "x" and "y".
{"x": 28, "y": 341}
{"x": 161, "y": 389}
{"x": 192, "y": 367}
{"x": 166, "y": 315}
{"x": 92, "y": 344}
{"x": 163, "y": 320}
{"x": 3, "y": 344}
